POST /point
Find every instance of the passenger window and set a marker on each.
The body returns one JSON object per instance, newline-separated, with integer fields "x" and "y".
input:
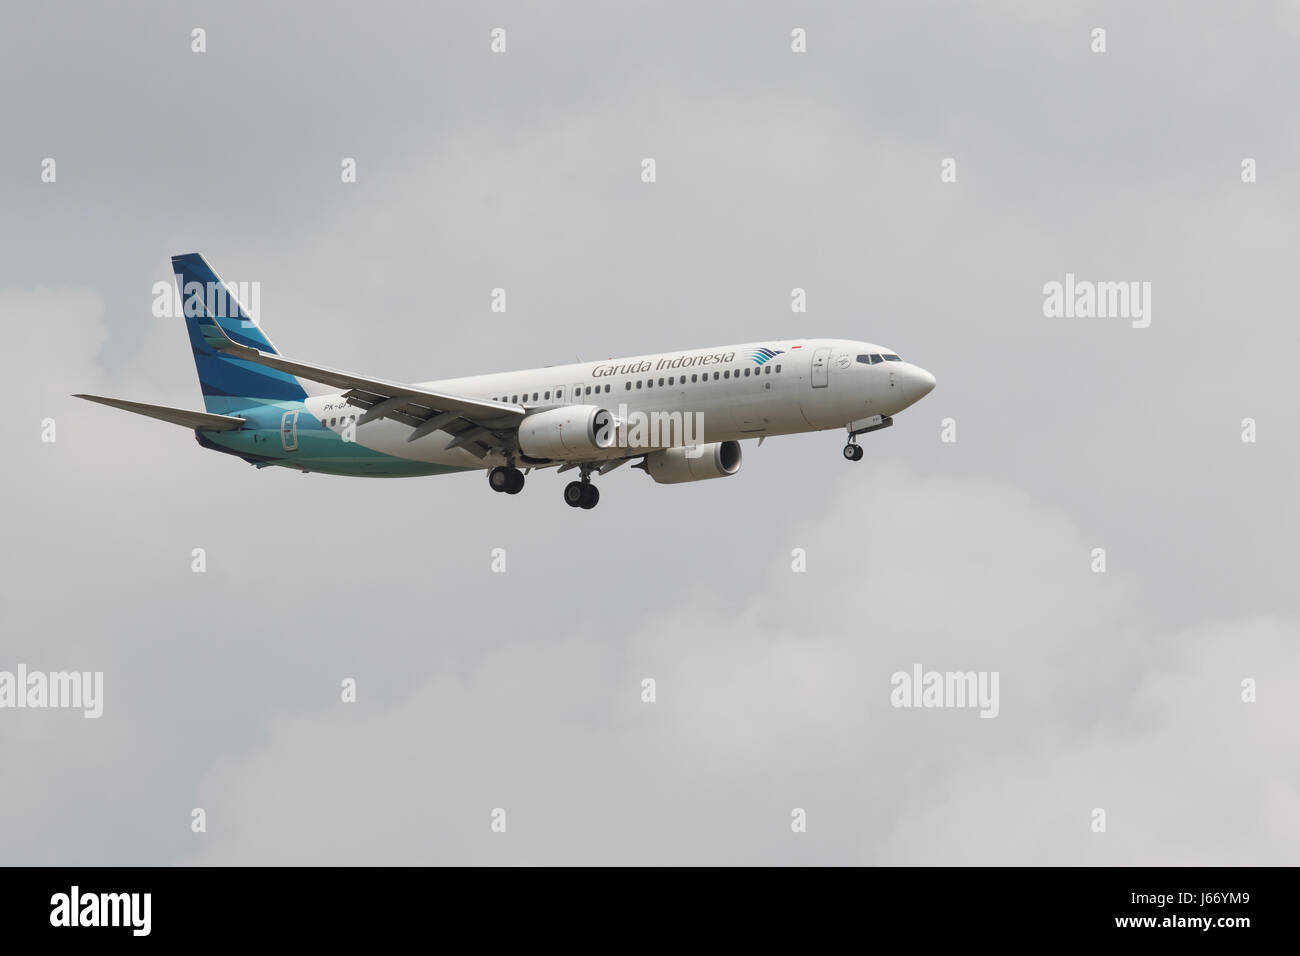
{"x": 649, "y": 383}
{"x": 716, "y": 376}
{"x": 661, "y": 383}
{"x": 778, "y": 370}
{"x": 767, "y": 370}
{"x": 727, "y": 374}
{"x": 638, "y": 383}
{"x": 670, "y": 379}
{"x": 548, "y": 394}
{"x": 629, "y": 386}
{"x": 693, "y": 378}
{"x": 534, "y": 396}
{"x": 746, "y": 373}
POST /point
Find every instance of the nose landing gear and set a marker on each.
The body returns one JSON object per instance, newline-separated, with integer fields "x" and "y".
{"x": 853, "y": 451}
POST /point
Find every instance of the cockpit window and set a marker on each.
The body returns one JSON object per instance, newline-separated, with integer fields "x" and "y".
{"x": 891, "y": 358}
{"x": 869, "y": 359}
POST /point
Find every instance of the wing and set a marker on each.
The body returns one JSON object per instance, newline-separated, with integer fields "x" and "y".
{"x": 475, "y": 424}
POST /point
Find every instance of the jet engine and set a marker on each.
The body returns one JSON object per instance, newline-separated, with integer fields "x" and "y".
{"x": 715, "y": 460}
{"x": 571, "y": 432}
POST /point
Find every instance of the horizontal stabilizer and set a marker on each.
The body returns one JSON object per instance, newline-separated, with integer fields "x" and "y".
{"x": 177, "y": 416}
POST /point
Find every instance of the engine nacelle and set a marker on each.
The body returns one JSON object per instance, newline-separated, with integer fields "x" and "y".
{"x": 568, "y": 432}
{"x": 715, "y": 460}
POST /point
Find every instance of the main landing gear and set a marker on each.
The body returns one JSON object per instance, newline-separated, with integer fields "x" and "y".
{"x": 509, "y": 480}
{"x": 582, "y": 494}
{"x": 577, "y": 494}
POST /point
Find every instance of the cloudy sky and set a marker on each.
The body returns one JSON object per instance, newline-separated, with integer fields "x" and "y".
{"x": 1119, "y": 691}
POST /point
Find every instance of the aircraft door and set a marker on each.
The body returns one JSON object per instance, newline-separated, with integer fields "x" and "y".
{"x": 289, "y": 431}
{"x": 820, "y": 361}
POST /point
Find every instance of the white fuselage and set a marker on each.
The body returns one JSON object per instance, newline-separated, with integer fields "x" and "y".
{"x": 737, "y": 391}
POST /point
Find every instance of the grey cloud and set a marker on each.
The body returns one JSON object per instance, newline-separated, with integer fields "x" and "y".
{"x": 480, "y": 690}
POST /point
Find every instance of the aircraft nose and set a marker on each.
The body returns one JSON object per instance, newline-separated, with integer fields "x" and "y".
{"x": 920, "y": 383}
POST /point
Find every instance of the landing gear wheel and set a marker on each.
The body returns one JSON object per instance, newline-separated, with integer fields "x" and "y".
{"x": 590, "y": 497}
{"x": 574, "y": 493}
{"x": 509, "y": 480}
{"x": 853, "y": 452}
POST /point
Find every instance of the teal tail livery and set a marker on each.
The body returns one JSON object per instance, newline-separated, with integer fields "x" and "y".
{"x": 678, "y": 416}
{"x": 213, "y": 316}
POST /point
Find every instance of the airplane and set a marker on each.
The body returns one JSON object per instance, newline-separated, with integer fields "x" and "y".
{"x": 272, "y": 410}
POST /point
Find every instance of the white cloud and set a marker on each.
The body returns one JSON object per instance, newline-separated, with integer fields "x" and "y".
{"x": 784, "y": 703}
